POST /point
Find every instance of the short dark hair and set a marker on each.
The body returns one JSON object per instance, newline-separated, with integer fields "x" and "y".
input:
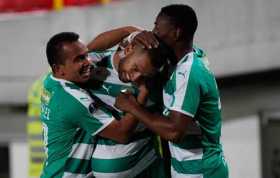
{"x": 182, "y": 16}
{"x": 163, "y": 55}
{"x": 55, "y": 44}
{"x": 163, "y": 59}
{"x": 159, "y": 57}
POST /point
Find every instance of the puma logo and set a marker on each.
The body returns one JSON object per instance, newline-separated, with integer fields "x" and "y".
{"x": 181, "y": 73}
{"x": 106, "y": 88}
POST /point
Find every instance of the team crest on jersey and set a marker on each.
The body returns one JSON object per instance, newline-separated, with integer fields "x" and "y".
{"x": 45, "y": 96}
{"x": 92, "y": 107}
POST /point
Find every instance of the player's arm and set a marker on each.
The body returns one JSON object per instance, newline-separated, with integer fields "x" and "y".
{"x": 110, "y": 38}
{"x": 172, "y": 127}
{"x": 122, "y": 130}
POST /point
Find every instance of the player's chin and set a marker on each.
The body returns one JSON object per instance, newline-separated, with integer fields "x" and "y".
{"x": 84, "y": 78}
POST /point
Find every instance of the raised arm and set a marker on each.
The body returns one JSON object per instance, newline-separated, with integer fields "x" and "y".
{"x": 110, "y": 38}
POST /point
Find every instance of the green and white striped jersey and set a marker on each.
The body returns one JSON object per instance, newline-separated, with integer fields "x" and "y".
{"x": 192, "y": 90}
{"x": 111, "y": 159}
{"x": 69, "y": 122}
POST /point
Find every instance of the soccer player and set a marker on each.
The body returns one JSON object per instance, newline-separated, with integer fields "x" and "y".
{"x": 190, "y": 95}
{"x": 138, "y": 157}
{"x": 70, "y": 116}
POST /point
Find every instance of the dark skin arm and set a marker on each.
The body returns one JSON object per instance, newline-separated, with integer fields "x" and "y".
{"x": 110, "y": 38}
{"x": 146, "y": 39}
{"x": 172, "y": 128}
{"x": 121, "y": 131}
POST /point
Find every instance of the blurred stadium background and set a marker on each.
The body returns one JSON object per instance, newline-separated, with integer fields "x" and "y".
{"x": 241, "y": 38}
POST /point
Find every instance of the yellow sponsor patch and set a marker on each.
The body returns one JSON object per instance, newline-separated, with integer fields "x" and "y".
{"x": 45, "y": 96}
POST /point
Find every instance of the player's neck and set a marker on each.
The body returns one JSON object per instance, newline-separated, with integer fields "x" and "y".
{"x": 58, "y": 76}
{"x": 182, "y": 49}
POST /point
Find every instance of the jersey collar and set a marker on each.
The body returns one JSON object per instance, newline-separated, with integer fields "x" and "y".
{"x": 60, "y": 80}
{"x": 185, "y": 58}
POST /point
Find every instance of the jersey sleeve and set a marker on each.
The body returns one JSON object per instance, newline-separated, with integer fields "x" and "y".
{"x": 82, "y": 111}
{"x": 186, "y": 95}
{"x": 96, "y": 56}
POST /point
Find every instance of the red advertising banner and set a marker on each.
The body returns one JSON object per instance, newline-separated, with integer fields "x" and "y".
{"x": 79, "y": 2}
{"x": 30, "y": 5}
{"x": 24, "y": 5}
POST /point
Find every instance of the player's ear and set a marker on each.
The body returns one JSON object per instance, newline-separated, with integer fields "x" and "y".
{"x": 58, "y": 69}
{"x": 128, "y": 49}
{"x": 178, "y": 34}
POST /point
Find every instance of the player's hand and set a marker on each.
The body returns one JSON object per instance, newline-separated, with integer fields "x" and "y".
{"x": 143, "y": 90}
{"x": 141, "y": 83}
{"x": 146, "y": 39}
{"x": 125, "y": 101}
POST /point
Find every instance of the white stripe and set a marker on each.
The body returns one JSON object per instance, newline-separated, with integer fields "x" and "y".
{"x": 81, "y": 151}
{"x": 114, "y": 78}
{"x": 145, "y": 162}
{"x": 79, "y": 94}
{"x": 167, "y": 99}
{"x": 82, "y": 96}
{"x": 96, "y": 57}
{"x": 182, "y": 81}
{"x": 110, "y": 100}
{"x": 101, "y": 116}
{"x": 72, "y": 175}
{"x": 103, "y": 126}
{"x": 184, "y": 154}
{"x": 175, "y": 174}
{"x": 112, "y": 60}
{"x": 118, "y": 150}
{"x": 181, "y": 111}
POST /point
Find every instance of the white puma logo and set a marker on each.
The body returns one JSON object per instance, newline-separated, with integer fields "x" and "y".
{"x": 106, "y": 88}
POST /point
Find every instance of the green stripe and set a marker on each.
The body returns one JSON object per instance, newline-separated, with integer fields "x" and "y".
{"x": 187, "y": 167}
{"x": 113, "y": 89}
{"x": 82, "y": 136}
{"x": 169, "y": 88}
{"x": 72, "y": 86}
{"x": 78, "y": 166}
{"x": 120, "y": 164}
{"x": 190, "y": 142}
{"x": 139, "y": 136}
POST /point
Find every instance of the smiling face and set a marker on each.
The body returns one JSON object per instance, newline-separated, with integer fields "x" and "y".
{"x": 135, "y": 65}
{"x": 76, "y": 66}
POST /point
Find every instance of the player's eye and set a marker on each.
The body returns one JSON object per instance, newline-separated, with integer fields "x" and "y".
{"x": 82, "y": 57}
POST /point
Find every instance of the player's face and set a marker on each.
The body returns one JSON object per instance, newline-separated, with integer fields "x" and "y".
{"x": 76, "y": 67}
{"x": 134, "y": 66}
{"x": 165, "y": 30}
